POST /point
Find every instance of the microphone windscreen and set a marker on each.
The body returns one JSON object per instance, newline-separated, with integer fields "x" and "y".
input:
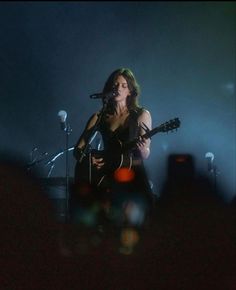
{"x": 209, "y": 155}
{"x": 62, "y": 115}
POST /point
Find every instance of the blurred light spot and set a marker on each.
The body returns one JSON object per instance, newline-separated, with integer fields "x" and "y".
{"x": 134, "y": 213}
{"x": 129, "y": 238}
{"x": 86, "y": 216}
{"x": 124, "y": 174}
{"x": 150, "y": 184}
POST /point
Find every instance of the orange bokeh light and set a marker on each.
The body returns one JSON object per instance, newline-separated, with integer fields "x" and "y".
{"x": 124, "y": 174}
{"x": 181, "y": 159}
{"x": 129, "y": 237}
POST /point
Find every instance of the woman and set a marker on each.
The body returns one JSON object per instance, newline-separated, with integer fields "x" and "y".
{"x": 121, "y": 122}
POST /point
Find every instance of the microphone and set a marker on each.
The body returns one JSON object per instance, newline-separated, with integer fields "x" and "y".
{"x": 209, "y": 157}
{"x": 108, "y": 95}
{"x": 62, "y": 116}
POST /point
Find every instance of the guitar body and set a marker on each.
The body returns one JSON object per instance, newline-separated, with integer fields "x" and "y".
{"x": 86, "y": 172}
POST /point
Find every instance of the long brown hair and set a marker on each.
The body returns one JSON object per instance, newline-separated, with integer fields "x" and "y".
{"x": 132, "y": 99}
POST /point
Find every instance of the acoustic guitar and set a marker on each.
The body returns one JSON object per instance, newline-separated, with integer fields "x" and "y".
{"x": 117, "y": 157}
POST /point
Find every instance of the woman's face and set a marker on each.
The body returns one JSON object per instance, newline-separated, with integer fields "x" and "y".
{"x": 122, "y": 89}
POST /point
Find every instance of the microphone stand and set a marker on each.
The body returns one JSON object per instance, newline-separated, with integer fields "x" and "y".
{"x": 214, "y": 172}
{"x": 68, "y": 131}
{"x": 53, "y": 157}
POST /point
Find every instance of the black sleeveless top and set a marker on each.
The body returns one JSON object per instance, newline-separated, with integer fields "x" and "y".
{"x": 127, "y": 132}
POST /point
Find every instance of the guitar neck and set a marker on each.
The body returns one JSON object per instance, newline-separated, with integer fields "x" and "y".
{"x": 165, "y": 127}
{"x": 152, "y": 132}
{"x": 132, "y": 144}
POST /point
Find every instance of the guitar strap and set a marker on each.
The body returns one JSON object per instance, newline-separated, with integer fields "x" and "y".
{"x": 133, "y": 126}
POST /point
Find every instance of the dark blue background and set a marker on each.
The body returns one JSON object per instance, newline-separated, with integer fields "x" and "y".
{"x": 53, "y": 55}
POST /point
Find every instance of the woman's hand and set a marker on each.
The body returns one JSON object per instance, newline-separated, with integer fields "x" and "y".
{"x": 97, "y": 162}
{"x": 143, "y": 147}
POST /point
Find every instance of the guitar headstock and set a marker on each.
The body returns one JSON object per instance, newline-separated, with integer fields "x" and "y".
{"x": 170, "y": 125}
